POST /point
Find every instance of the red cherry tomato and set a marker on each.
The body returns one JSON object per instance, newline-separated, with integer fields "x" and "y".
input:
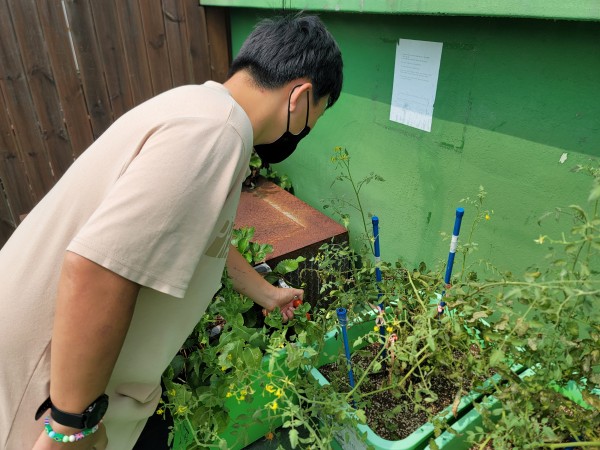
{"x": 297, "y": 303}
{"x": 307, "y": 316}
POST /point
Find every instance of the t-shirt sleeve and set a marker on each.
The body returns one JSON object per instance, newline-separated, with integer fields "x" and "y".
{"x": 156, "y": 221}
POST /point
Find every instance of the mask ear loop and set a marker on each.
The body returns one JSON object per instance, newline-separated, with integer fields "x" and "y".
{"x": 287, "y": 128}
{"x": 307, "y": 108}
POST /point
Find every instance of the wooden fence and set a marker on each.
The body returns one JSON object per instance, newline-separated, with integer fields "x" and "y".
{"x": 69, "y": 68}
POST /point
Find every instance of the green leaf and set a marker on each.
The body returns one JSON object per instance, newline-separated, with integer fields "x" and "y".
{"x": 595, "y": 193}
{"x": 177, "y": 364}
{"x": 433, "y": 445}
{"x": 497, "y": 357}
{"x": 288, "y": 265}
{"x": 431, "y": 343}
{"x": 361, "y": 416}
{"x": 243, "y": 245}
{"x": 376, "y": 366}
{"x": 591, "y": 399}
{"x": 252, "y": 358}
{"x": 532, "y": 343}
{"x": 478, "y": 315}
{"x": 578, "y": 209}
{"x": 521, "y": 327}
{"x": 293, "y": 435}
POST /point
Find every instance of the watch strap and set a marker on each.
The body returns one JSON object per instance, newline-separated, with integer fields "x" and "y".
{"x": 80, "y": 421}
{"x": 45, "y": 406}
{"x": 68, "y": 419}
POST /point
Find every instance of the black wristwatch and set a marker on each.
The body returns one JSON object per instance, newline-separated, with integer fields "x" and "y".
{"x": 90, "y": 417}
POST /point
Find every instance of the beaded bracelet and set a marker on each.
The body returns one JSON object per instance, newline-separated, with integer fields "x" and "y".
{"x": 67, "y": 438}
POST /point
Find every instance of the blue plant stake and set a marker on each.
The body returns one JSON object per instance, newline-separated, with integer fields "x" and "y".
{"x": 453, "y": 244}
{"x": 343, "y": 320}
{"x": 377, "y": 251}
{"x": 375, "y": 221}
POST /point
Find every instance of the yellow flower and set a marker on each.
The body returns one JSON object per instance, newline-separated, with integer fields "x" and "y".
{"x": 229, "y": 357}
{"x": 376, "y": 328}
{"x": 160, "y": 411}
{"x": 279, "y": 392}
{"x": 269, "y": 374}
{"x": 274, "y": 406}
{"x": 223, "y": 368}
{"x": 241, "y": 397}
{"x": 270, "y": 388}
{"x": 172, "y": 392}
{"x": 389, "y": 329}
{"x": 487, "y": 217}
{"x": 181, "y": 409}
{"x": 229, "y": 394}
{"x": 243, "y": 392}
{"x": 540, "y": 240}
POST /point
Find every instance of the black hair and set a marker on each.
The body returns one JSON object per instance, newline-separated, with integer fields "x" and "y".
{"x": 283, "y": 49}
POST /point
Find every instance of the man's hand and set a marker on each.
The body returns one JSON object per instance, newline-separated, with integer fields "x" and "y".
{"x": 287, "y": 300}
{"x": 96, "y": 441}
{"x": 248, "y": 282}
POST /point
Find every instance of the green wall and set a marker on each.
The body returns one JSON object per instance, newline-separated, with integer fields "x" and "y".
{"x": 513, "y": 96}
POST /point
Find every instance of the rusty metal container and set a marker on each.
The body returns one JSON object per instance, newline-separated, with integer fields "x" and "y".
{"x": 291, "y": 226}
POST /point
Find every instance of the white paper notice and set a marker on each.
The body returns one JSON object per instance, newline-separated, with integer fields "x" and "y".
{"x": 415, "y": 82}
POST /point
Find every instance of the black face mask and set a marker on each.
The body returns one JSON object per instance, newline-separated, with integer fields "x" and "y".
{"x": 283, "y": 147}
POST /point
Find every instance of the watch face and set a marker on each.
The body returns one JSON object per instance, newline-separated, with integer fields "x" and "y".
{"x": 95, "y": 412}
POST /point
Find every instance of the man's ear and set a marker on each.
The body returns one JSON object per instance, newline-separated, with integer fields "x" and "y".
{"x": 299, "y": 94}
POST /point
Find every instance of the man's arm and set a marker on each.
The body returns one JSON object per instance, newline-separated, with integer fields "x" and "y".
{"x": 250, "y": 283}
{"x": 93, "y": 312}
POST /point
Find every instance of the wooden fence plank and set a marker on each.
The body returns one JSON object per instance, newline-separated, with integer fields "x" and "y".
{"x": 7, "y": 225}
{"x": 41, "y": 84}
{"x": 20, "y": 109}
{"x": 110, "y": 43}
{"x": 195, "y": 20}
{"x": 156, "y": 48}
{"x": 217, "y": 22}
{"x": 12, "y": 170}
{"x": 130, "y": 25}
{"x": 8, "y": 221}
{"x": 68, "y": 84}
{"x": 180, "y": 60}
{"x": 90, "y": 64}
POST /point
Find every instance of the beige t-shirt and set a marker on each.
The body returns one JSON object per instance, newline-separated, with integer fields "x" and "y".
{"x": 153, "y": 200}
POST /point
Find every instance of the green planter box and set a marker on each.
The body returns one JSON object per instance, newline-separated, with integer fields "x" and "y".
{"x": 363, "y": 437}
{"x": 471, "y": 420}
{"x": 351, "y": 438}
{"x": 250, "y": 419}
